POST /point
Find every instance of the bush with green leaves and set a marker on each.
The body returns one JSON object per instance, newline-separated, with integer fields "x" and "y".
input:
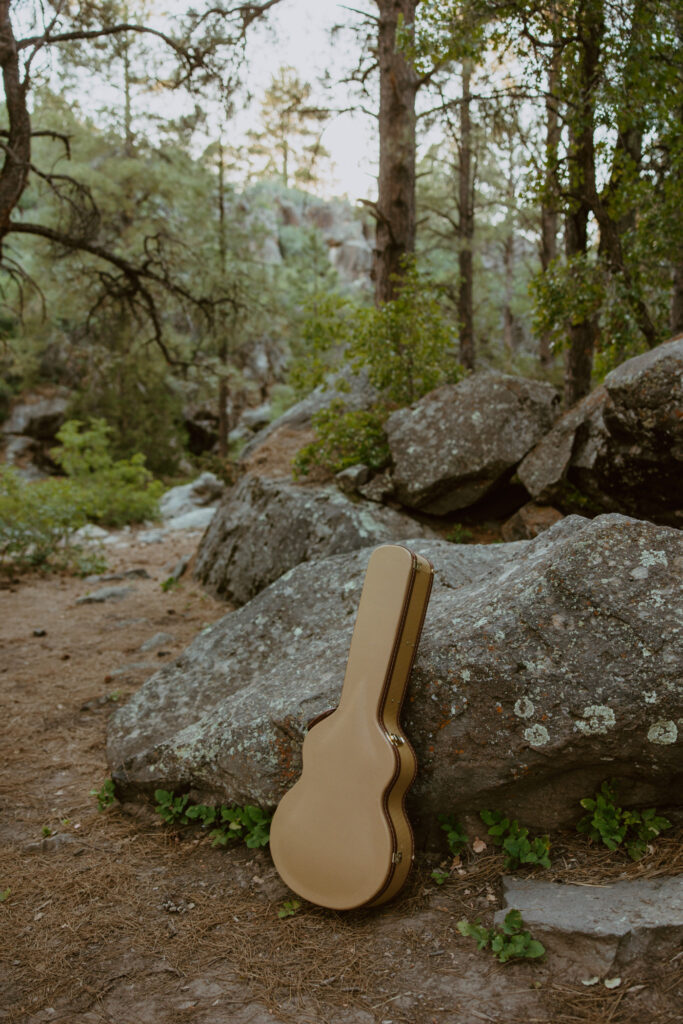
{"x": 612, "y": 826}
{"x": 251, "y": 824}
{"x": 344, "y": 438}
{"x": 512, "y": 943}
{"x": 514, "y": 839}
{"x": 106, "y": 795}
{"x": 405, "y": 347}
{"x": 112, "y": 492}
{"x": 37, "y": 521}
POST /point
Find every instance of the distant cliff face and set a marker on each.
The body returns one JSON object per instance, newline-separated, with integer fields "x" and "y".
{"x": 286, "y": 218}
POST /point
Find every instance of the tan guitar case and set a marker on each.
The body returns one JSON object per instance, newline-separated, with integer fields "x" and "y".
{"x": 340, "y": 837}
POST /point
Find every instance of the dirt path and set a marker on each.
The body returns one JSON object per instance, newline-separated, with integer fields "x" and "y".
{"x": 114, "y": 918}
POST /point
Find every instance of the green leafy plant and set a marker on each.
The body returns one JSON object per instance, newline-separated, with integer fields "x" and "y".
{"x": 251, "y": 824}
{"x": 170, "y": 807}
{"x": 105, "y": 794}
{"x": 289, "y": 908}
{"x": 169, "y": 584}
{"x": 459, "y": 534}
{"x": 5, "y": 895}
{"x": 440, "y": 876}
{"x": 455, "y": 833}
{"x": 46, "y": 831}
{"x": 514, "y": 839}
{"x": 512, "y": 943}
{"x": 37, "y": 522}
{"x": 345, "y": 437}
{"x": 609, "y": 824}
{"x": 112, "y": 492}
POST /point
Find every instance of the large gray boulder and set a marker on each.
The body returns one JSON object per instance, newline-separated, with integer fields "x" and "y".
{"x": 545, "y": 667}
{"x": 264, "y": 527}
{"x": 462, "y": 441}
{"x": 622, "y": 446}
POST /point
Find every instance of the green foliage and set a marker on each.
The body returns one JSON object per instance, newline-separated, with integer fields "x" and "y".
{"x": 440, "y": 876}
{"x": 512, "y": 943}
{"x": 345, "y": 437}
{"x": 289, "y": 908}
{"x": 406, "y": 349}
{"x": 106, "y": 796}
{"x": 170, "y": 807}
{"x": 405, "y": 346}
{"x": 609, "y": 824}
{"x": 37, "y": 520}
{"x": 251, "y": 824}
{"x": 111, "y": 492}
{"x": 5, "y": 895}
{"x": 459, "y": 534}
{"x": 514, "y": 839}
{"x": 326, "y": 327}
{"x": 455, "y": 833}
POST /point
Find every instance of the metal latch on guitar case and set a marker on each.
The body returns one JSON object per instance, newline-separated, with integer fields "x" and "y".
{"x": 397, "y": 857}
{"x": 398, "y": 741}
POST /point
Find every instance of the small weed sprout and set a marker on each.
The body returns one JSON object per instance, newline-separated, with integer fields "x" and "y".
{"x": 512, "y": 943}
{"x": 440, "y": 876}
{"x": 455, "y": 833}
{"x": 289, "y": 908}
{"x": 5, "y": 895}
{"x": 514, "y": 839}
{"x": 459, "y": 534}
{"x": 613, "y": 826}
{"x": 105, "y": 794}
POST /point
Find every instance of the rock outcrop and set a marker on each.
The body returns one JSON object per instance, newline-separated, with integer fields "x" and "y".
{"x": 265, "y": 527}
{"x": 545, "y": 667}
{"x": 622, "y": 446}
{"x": 462, "y": 441}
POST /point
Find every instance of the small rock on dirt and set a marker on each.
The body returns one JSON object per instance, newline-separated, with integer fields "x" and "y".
{"x": 158, "y": 640}
{"x": 105, "y": 594}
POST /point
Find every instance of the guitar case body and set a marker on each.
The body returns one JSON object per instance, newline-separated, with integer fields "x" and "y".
{"x": 340, "y": 837}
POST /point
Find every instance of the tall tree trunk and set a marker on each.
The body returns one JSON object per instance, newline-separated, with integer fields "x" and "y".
{"x": 223, "y": 348}
{"x": 395, "y": 208}
{"x": 677, "y": 301}
{"x": 581, "y": 167}
{"x": 549, "y": 215}
{"x": 17, "y": 149}
{"x": 466, "y": 210}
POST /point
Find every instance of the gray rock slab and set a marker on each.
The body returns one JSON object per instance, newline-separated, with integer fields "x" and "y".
{"x": 197, "y": 519}
{"x": 265, "y": 527}
{"x": 622, "y": 446}
{"x": 105, "y": 594}
{"x": 458, "y": 443}
{"x": 600, "y": 924}
{"x": 545, "y": 666}
{"x": 203, "y": 491}
{"x": 158, "y": 640}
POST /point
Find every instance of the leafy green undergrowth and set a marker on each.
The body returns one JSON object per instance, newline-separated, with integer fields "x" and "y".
{"x": 455, "y": 834}
{"x": 512, "y": 943}
{"x": 518, "y": 848}
{"x": 251, "y": 824}
{"x": 38, "y": 519}
{"x": 345, "y": 438}
{"x": 614, "y": 827}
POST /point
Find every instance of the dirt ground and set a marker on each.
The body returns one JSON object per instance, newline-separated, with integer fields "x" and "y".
{"x": 113, "y": 917}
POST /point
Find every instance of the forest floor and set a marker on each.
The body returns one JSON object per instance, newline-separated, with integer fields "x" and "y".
{"x": 116, "y": 918}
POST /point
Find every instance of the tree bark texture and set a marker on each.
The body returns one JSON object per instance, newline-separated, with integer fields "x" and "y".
{"x": 581, "y": 168}
{"x": 15, "y": 168}
{"x": 466, "y": 209}
{"x": 395, "y": 208}
{"x": 549, "y": 214}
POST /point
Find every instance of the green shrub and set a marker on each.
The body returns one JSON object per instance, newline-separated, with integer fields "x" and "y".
{"x": 514, "y": 839}
{"x": 37, "y": 520}
{"x": 405, "y": 347}
{"x": 111, "y": 492}
{"x": 345, "y": 437}
{"x": 611, "y": 825}
{"x": 512, "y": 943}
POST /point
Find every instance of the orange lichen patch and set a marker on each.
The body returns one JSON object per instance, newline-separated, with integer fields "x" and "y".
{"x": 499, "y": 709}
